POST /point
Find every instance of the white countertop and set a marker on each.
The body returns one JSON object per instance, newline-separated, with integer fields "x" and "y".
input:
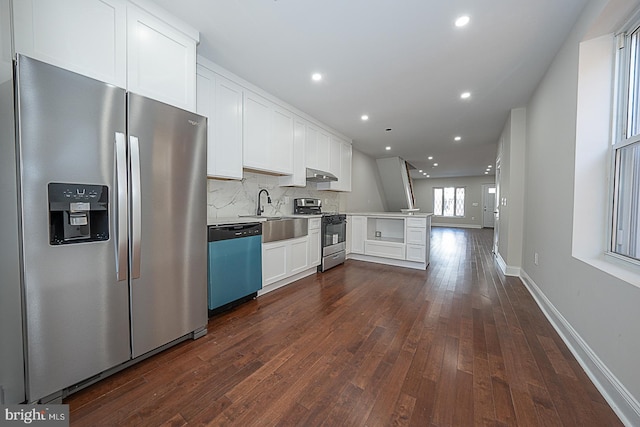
{"x": 392, "y": 214}
{"x": 235, "y": 220}
{"x": 249, "y": 219}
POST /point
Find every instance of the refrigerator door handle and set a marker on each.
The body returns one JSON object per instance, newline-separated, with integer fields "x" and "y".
{"x": 121, "y": 219}
{"x": 136, "y": 214}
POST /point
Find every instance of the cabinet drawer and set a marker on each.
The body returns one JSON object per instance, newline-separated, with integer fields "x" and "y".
{"x": 416, "y": 222}
{"x": 384, "y": 249}
{"x": 416, "y": 236}
{"x": 416, "y": 253}
{"x": 314, "y": 223}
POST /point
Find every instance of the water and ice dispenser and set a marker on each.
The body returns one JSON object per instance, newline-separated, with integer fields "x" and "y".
{"x": 78, "y": 213}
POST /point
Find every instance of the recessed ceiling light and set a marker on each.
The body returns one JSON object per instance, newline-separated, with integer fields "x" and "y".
{"x": 316, "y": 77}
{"x": 490, "y": 166}
{"x": 387, "y": 148}
{"x": 428, "y": 176}
{"x": 462, "y": 21}
{"x": 430, "y": 157}
{"x": 424, "y": 173}
{"x": 457, "y": 138}
{"x": 420, "y": 171}
{"x": 364, "y": 117}
{"x": 435, "y": 164}
{"x": 486, "y": 173}
{"x": 465, "y": 95}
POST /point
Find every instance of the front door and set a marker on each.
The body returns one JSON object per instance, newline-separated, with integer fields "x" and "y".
{"x": 488, "y": 205}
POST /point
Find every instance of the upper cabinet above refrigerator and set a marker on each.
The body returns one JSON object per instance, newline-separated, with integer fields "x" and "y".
{"x": 138, "y": 46}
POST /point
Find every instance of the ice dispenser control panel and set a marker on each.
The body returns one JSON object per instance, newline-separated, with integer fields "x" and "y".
{"x": 78, "y": 213}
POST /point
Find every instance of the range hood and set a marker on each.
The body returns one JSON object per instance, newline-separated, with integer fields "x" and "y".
{"x": 396, "y": 183}
{"x": 315, "y": 175}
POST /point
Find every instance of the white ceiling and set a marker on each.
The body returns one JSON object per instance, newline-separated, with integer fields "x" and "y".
{"x": 402, "y": 62}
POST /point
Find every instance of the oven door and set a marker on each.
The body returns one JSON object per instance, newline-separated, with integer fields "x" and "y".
{"x": 334, "y": 230}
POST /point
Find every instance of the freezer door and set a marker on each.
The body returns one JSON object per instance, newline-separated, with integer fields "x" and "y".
{"x": 77, "y": 311}
{"x": 11, "y": 355}
{"x": 168, "y": 216}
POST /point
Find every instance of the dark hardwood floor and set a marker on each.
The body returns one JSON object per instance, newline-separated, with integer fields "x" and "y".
{"x": 365, "y": 344}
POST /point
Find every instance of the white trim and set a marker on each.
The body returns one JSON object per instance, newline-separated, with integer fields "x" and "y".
{"x": 456, "y": 225}
{"x": 621, "y": 401}
{"x": 287, "y": 280}
{"x": 507, "y": 270}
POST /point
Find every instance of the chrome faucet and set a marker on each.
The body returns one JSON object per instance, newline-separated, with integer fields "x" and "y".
{"x": 261, "y": 209}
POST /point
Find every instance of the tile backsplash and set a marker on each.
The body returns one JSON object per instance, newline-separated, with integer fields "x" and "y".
{"x": 232, "y": 198}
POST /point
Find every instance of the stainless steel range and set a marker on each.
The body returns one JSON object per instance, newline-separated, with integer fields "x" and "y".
{"x": 334, "y": 231}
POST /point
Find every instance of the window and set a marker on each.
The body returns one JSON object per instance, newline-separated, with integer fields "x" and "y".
{"x": 625, "y": 227}
{"x": 448, "y": 201}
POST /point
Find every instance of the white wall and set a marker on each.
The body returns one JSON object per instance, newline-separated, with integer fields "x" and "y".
{"x": 366, "y": 188}
{"x": 597, "y": 313}
{"x": 423, "y": 192}
{"x": 511, "y": 160}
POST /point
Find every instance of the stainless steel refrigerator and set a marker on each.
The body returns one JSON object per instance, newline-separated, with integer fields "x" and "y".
{"x": 111, "y": 207}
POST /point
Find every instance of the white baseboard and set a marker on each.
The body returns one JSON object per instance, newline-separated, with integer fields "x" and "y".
{"x": 621, "y": 401}
{"x": 507, "y": 270}
{"x": 456, "y": 225}
{"x": 287, "y": 280}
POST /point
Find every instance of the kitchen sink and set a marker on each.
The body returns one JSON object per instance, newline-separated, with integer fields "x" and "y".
{"x": 268, "y": 218}
{"x": 278, "y": 228}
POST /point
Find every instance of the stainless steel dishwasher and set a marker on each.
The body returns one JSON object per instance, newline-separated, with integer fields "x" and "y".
{"x": 234, "y": 265}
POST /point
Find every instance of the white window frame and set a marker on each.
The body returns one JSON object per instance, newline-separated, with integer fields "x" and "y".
{"x": 455, "y": 191}
{"x": 625, "y": 101}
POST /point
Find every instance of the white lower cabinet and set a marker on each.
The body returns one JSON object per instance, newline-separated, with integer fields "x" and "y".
{"x": 283, "y": 259}
{"x": 315, "y": 251}
{"x": 274, "y": 261}
{"x": 298, "y": 255}
{"x": 384, "y": 249}
{"x": 416, "y": 236}
{"x": 400, "y": 240}
{"x": 416, "y": 253}
{"x": 358, "y": 233}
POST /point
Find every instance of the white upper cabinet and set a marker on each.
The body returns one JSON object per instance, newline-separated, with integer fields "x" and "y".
{"x": 345, "y": 167}
{"x": 220, "y": 100}
{"x": 340, "y": 165}
{"x": 268, "y": 136}
{"x": 323, "y": 150}
{"x": 161, "y": 60}
{"x": 335, "y": 153}
{"x": 311, "y": 147}
{"x": 299, "y": 176}
{"x": 84, "y": 36}
{"x": 317, "y": 148}
{"x": 145, "y": 51}
{"x": 282, "y": 140}
{"x": 256, "y": 130}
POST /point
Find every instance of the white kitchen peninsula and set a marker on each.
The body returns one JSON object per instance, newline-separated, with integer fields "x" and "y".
{"x": 389, "y": 238}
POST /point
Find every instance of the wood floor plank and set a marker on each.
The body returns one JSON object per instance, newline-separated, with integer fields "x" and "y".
{"x": 366, "y": 344}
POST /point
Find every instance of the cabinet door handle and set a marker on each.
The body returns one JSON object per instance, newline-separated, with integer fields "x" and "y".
{"x": 136, "y": 214}
{"x": 121, "y": 198}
